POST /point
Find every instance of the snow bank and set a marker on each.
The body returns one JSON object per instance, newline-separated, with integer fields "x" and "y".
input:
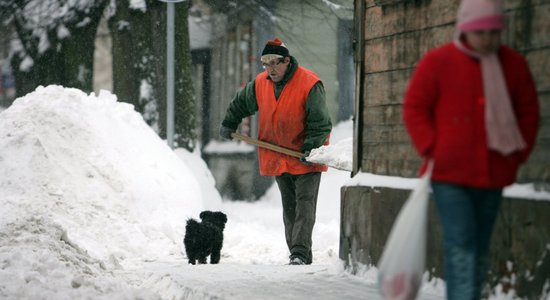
{"x": 86, "y": 187}
{"x": 38, "y": 261}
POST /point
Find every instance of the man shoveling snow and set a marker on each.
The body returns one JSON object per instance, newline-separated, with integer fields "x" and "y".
{"x": 290, "y": 101}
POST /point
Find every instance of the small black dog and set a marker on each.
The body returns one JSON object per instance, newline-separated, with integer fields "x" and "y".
{"x": 205, "y": 238}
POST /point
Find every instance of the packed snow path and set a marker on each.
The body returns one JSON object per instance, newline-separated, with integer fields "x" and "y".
{"x": 228, "y": 281}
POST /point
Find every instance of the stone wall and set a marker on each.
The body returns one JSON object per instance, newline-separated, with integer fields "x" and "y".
{"x": 520, "y": 244}
{"x": 396, "y": 35}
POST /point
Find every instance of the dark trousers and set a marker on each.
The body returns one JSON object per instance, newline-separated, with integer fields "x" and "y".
{"x": 299, "y": 197}
{"x": 467, "y": 217}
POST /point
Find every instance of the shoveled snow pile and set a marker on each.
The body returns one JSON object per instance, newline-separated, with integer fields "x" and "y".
{"x": 339, "y": 153}
{"x": 338, "y": 156}
{"x": 86, "y": 187}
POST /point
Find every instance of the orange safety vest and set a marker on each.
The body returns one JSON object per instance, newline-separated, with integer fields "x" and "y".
{"x": 282, "y": 122}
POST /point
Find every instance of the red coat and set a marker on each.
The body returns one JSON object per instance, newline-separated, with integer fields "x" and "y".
{"x": 444, "y": 112}
{"x": 282, "y": 122}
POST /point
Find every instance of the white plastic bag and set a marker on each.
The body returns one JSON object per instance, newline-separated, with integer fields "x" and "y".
{"x": 402, "y": 264}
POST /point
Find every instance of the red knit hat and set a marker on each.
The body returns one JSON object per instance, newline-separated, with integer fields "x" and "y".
{"x": 480, "y": 15}
{"x": 274, "y": 49}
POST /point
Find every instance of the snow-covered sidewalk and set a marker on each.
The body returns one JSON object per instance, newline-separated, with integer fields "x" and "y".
{"x": 240, "y": 281}
{"x": 177, "y": 280}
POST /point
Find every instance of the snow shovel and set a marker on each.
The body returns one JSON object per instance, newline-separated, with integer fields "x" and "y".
{"x": 286, "y": 151}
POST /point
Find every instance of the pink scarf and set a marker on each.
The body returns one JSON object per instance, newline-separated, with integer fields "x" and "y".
{"x": 503, "y": 134}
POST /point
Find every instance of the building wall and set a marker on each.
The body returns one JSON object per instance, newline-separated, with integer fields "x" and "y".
{"x": 234, "y": 47}
{"x": 233, "y": 61}
{"x": 397, "y": 35}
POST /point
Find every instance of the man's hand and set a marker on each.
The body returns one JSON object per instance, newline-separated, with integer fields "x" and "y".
{"x": 303, "y": 158}
{"x": 225, "y": 132}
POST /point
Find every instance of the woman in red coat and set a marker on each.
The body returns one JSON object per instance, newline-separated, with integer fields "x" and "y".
{"x": 471, "y": 107}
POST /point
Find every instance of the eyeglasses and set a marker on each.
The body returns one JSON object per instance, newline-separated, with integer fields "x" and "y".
{"x": 272, "y": 63}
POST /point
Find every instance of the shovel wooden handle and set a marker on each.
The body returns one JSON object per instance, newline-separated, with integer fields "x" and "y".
{"x": 266, "y": 145}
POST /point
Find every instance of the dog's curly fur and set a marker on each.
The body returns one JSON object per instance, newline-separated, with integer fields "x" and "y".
{"x": 205, "y": 238}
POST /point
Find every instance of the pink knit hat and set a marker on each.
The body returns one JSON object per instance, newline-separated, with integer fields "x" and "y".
{"x": 480, "y": 15}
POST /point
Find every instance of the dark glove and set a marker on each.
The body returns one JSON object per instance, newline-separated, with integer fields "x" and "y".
{"x": 303, "y": 158}
{"x": 225, "y": 132}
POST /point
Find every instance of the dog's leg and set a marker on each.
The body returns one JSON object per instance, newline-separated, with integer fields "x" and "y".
{"x": 216, "y": 253}
{"x": 215, "y": 258}
{"x": 202, "y": 255}
{"x": 191, "y": 256}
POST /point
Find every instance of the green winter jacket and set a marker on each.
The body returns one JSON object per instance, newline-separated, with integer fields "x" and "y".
{"x": 318, "y": 123}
